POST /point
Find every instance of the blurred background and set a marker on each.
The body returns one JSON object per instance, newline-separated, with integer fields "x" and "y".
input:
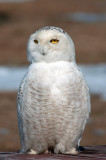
{"x": 85, "y": 21}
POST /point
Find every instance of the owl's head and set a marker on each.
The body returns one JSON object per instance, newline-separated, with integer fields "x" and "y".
{"x": 50, "y": 44}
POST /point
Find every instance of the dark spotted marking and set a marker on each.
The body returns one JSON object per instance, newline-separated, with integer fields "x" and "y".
{"x": 52, "y": 28}
{"x": 20, "y": 93}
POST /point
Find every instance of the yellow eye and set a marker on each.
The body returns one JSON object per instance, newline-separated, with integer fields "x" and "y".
{"x": 36, "y": 41}
{"x": 54, "y": 40}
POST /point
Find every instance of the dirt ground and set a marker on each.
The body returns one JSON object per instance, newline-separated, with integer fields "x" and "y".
{"x": 17, "y": 22}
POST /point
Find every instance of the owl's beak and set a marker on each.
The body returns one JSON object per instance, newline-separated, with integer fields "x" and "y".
{"x": 43, "y": 54}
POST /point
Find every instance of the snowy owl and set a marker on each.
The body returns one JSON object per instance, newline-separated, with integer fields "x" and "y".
{"x": 53, "y": 97}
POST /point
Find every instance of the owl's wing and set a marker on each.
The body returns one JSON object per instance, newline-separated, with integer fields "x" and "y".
{"x": 19, "y": 107}
{"x": 85, "y": 96}
{"x": 79, "y": 100}
{"x": 86, "y": 106}
{"x": 83, "y": 92}
{"x": 85, "y": 101}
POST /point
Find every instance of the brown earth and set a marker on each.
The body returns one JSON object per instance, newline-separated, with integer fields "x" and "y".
{"x": 8, "y": 120}
{"x": 19, "y": 20}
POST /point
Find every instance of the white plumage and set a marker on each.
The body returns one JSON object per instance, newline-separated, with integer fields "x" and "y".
{"x": 53, "y": 98}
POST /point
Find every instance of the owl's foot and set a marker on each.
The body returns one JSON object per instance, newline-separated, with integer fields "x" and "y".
{"x": 31, "y": 151}
{"x": 47, "y": 152}
{"x": 72, "y": 151}
{"x": 76, "y": 150}
{"x": 59, "y": 148}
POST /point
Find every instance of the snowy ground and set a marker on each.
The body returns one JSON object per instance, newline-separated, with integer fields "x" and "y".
{"x": 96, "y": 78}
{"x": 95, "y": 75}
{"x": 85, "y": 17}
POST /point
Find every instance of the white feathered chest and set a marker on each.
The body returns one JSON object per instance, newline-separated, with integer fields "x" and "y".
{"x": 55, "y": 84}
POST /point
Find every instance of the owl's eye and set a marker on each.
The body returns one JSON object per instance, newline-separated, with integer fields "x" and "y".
{"x": 54, "y": 40}
{"x": 36, "y": 41}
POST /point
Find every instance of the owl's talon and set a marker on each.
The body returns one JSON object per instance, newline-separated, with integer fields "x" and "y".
{"x": 46, "y": 152}
{"x": 80, "y": 148}
{"x": 72, "y": 151}
{"x": 31, "y": 151}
